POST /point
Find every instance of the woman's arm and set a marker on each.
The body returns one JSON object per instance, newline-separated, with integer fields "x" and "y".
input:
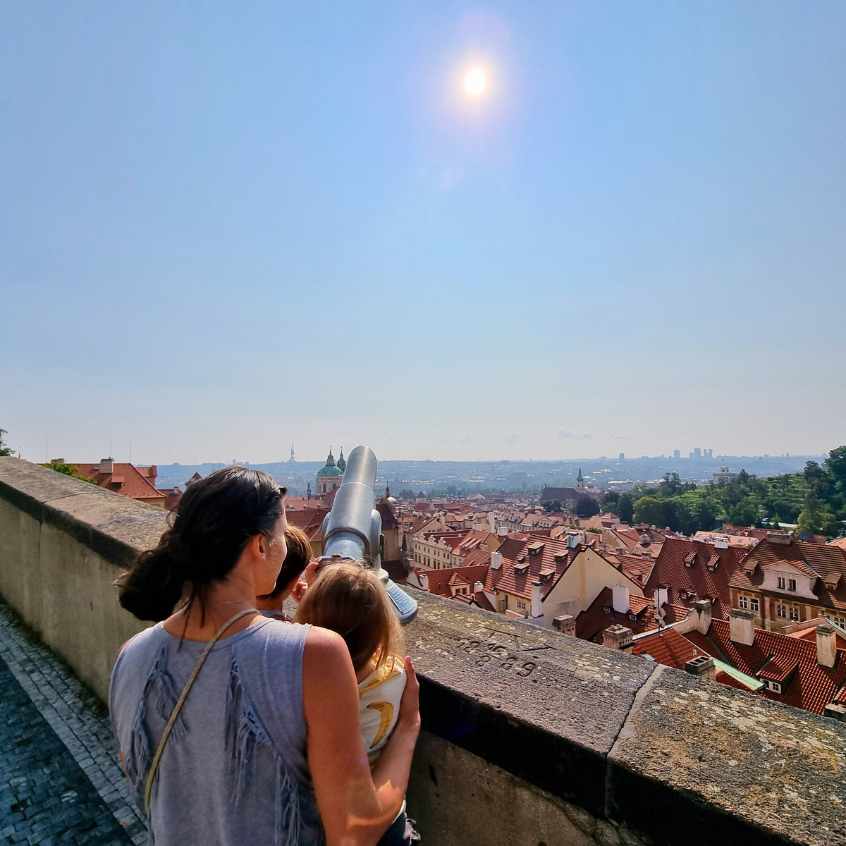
{"x": 354, "y": 810}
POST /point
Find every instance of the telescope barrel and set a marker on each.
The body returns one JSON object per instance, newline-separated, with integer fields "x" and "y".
{"x": 353, "y": 528}
{"x": 349, "y": 526}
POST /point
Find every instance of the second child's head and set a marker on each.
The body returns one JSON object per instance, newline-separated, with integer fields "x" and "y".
{"x": 350, "y": 599}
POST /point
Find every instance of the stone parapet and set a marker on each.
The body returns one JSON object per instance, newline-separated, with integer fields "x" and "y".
{"x": 530, "y": 736}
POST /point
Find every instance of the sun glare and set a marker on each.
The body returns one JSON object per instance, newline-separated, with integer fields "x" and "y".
{"x": 475, "y": 81}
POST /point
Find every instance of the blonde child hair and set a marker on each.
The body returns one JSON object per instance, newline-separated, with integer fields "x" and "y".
{"x": 350, "y": 599}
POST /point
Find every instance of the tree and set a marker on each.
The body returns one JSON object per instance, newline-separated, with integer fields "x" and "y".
{"x": 4, "y": 450}
{"x": 815, "y": 518}
{"x": 650, "y": 509}
{"x": 587, "y": 507}
{"x": 625, "y": 508}
{"x": 835, "y": 465}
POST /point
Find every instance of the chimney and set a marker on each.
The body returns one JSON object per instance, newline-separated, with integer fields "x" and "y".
{"x": 721, "y": 543}
{"x": 152, "y": 472}
{"x": 491, "y": 522}
{"x": 617, "y": 637}
{"x": 620, "y": 598}
{"x": 702, "y": 607}
{"x": 424, "y": 581}
{"x": 661, "y": 595}
{"x": 502, "y": 531}
{"x": 477, "y": 586}
{"x": 702, "y": 666}
{"x": 740, "y": 627}
{"x": 106, "y": 465}
{"x": 826, "y": 645}
{"x": 779, "y": 537}
{"x": 566, "y": 624}
{"x": 537, "y": 599}
{"x": 496, "y": 560}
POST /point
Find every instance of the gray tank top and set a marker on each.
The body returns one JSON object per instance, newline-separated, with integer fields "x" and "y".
{"x": 234, "y": 770}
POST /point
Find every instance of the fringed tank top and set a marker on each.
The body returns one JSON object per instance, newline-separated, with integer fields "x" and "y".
{"x": 234, "y": 770}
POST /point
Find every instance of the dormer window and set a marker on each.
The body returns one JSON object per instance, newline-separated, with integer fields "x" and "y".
{"x": 791, "y": 585}
{"x": 782, "y": 583}
{"x": 775, "y": 687}
{"x": 690, "y": 559}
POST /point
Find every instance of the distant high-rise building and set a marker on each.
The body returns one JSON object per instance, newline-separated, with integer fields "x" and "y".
{"x": 676, "y": 453}
{"x": 293, "y": 457}
{"x": 696, "y": 455}
{"x": 709, "y": 453}
{"x": 621, "y": 456}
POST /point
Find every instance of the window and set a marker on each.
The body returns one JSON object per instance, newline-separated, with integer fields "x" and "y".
{"x": 743, "y": 602}
{"x": 791, "y": 585}
{"x": 781, "y": 609}
{"x": 754, "y": 605}
{"x": 795, "y": 613}
{"x": 775, "y": 687}
{"x": 781, "y": 583}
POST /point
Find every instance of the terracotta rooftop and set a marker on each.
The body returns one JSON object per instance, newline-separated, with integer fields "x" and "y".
{"x": 790, "y": 661}
{"x": 125, "y": 479}
{"x": 694, "y": 570}
{"x": 520, "y": 567}
{"x": 641, "y": 617}
{"x": 824, "y": 563}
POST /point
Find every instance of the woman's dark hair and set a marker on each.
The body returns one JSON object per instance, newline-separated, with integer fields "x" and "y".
{"x": 296, "y": 560}
{"x": 210, "y": 528}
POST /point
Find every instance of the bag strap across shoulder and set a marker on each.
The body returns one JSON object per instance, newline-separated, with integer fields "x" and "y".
{"x": 171, "y": 721}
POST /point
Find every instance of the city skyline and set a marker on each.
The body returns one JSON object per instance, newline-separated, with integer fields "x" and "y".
{"x": 526, "y": 231}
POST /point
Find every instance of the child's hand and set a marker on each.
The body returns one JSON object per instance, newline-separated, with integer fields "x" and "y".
{"x": 409, "y": 712}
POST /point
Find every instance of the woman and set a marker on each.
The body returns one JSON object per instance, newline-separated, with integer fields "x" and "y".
{"x": 266, "y": 747}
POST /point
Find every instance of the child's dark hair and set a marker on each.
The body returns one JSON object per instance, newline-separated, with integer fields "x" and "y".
{"x": 210, "y": 528}
{"x": 296, "y": 560}
{"x": 349, "y": 599}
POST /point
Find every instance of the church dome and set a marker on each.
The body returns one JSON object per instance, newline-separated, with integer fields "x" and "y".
{"x": 330, "y": 468}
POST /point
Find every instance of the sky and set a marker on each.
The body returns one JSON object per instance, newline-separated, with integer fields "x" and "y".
{"x": 228, "y": 228}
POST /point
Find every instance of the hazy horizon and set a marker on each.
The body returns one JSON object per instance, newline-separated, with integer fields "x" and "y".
{"x": 229, "y": 230}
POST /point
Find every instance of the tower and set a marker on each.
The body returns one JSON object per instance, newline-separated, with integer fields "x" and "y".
{"x": 342, "y": 465}
{"x": 580, "y": 480}
{"x": 293, "y": 457}
{"x": 329, "y": 476}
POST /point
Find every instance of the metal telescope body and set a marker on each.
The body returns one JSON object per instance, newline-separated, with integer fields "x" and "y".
{"x": 352, "y": 530}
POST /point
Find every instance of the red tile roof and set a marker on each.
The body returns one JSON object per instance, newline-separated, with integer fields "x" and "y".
{"x": 790, "y": 661}
{"x": 823, "y": 562}
{"x": 440, "y": 580}
{"x": 520, "y": 567}
{"x": 125, "y": 479}
{"x": 641, "y": 616}
{"x": 667, "y": 647}
{"x": 699, "y": 578}
{"x": 308, "y": 519}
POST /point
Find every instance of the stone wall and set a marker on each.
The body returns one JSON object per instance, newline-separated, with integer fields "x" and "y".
{"x": 530, "y": 737}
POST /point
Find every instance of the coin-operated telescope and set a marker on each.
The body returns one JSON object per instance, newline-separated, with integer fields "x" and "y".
{"x": 352, "y": 530}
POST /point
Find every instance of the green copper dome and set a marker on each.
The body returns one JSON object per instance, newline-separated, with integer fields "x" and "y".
{"x": 330, "y": 468}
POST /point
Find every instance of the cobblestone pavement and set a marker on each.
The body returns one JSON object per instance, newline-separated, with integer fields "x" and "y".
{"x": 59, "y": 778}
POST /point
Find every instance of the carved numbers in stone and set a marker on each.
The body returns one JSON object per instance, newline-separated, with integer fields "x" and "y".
{"x": 495, "y": 656}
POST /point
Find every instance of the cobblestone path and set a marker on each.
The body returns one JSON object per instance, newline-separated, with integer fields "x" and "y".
{"x": 59, "y": 780}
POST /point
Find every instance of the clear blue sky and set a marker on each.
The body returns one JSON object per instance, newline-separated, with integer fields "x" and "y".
{"x": 226, "y": 227}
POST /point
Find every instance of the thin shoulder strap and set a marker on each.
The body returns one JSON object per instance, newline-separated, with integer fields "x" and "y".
{"x": 171, "y": 722}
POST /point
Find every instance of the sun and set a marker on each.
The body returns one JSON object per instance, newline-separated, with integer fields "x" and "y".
{"x": 475, "y": 82}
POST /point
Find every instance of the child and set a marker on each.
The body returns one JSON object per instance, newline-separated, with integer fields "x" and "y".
{"x": 289, "y": 580}
{"x": 349, "y": 599}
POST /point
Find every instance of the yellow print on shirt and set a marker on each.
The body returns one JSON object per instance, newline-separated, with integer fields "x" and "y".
{"x": 386, "y": 711}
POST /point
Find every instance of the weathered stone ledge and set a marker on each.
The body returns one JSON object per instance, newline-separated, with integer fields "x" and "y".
{"x": 529, "y": 736}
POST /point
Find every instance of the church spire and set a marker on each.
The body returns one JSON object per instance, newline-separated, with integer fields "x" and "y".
{"x": 342, "y": 464}
{"x": 580, "y": 480}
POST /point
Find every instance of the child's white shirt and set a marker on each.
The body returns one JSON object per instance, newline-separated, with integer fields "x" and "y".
{"x": 379, "y": 695}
